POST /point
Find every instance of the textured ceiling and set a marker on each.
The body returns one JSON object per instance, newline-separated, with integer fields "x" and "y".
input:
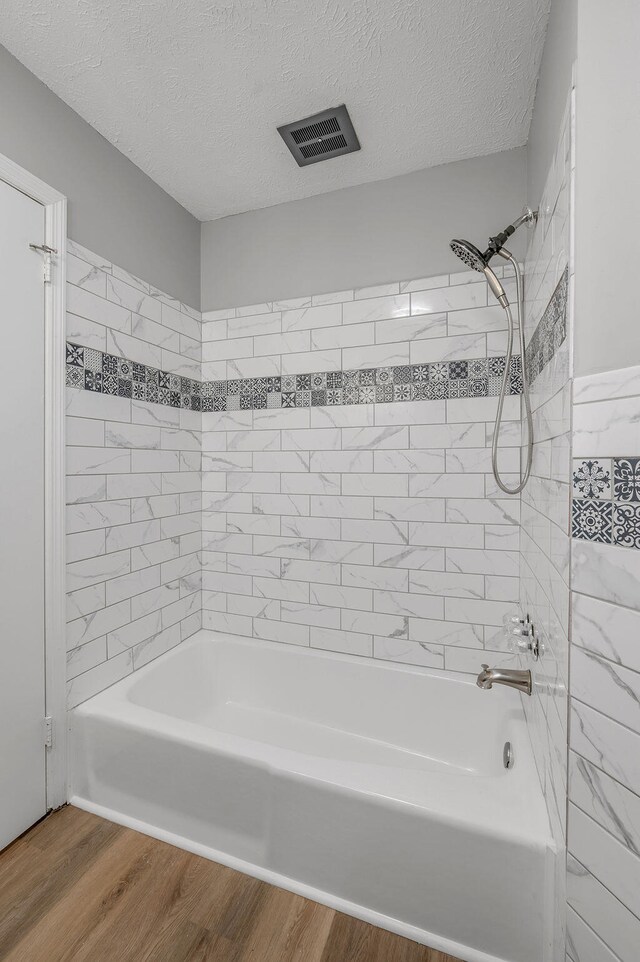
{"x": 192, "y": 90}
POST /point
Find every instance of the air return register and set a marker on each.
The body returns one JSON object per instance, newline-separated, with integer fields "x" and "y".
{"x": 321, "y": 136}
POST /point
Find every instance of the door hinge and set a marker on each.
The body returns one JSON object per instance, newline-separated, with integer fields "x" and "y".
{"x": 47, "y": 251}
{"x": 48, "y": 731}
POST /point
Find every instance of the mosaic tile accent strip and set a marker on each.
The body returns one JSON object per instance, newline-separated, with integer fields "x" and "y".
{"x": 551, "y": 330}
{"x": 606, "y": 501}
{"x": 92, "y": 370}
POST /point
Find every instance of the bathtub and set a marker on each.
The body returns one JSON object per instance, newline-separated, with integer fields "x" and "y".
{"x": 375, "y": 788}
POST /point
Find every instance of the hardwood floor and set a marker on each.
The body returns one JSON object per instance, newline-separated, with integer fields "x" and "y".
{"x": 77, "y": 887}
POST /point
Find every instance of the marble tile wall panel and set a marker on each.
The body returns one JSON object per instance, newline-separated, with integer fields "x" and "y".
{"x": 545, "y": 501}
{"x": 133, "y": 482}
{"x": 373, "y": 528}
{"x": 604, "y": 783}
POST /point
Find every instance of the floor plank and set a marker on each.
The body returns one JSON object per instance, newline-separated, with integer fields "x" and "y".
{"x": 77, "y": 888}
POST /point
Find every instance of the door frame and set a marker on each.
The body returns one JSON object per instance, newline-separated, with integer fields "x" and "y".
{"x": 55, "y": 206}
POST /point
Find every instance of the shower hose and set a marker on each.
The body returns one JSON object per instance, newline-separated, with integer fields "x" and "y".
{"x": 524, "y": 477}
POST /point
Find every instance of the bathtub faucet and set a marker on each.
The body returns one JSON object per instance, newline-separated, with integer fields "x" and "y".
{"x": 511, "y": 677}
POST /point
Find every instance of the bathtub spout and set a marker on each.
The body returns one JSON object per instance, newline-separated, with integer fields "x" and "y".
{"x": 511, "y": 677}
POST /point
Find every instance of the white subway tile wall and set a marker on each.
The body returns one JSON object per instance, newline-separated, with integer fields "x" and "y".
{"x": 604, "y": 756}
{"x": 134, "y": 496}
{"x": 373, "y": 529}
{"x": 545, "y": 521}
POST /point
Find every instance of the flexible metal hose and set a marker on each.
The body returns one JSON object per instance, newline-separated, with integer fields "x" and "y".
{"x": 505, "y": 383}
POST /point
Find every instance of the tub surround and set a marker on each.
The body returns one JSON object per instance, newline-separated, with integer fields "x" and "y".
{"x": 545, "y": 521}
{"x": 133, "y": 477}
{"x": 307, "y": 539}
{"x": 373, "y": 528}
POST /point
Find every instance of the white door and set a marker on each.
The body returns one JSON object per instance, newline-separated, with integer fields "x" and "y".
{"x": 22, "y": 678}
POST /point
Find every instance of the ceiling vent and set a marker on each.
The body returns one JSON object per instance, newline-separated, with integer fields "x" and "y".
{"x": 321, "y": 136}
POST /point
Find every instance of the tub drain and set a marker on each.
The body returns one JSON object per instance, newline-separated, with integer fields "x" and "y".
{"x": 507, "y": 755}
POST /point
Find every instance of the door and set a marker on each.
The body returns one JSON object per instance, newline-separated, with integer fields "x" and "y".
{"x": 22, "y": 671}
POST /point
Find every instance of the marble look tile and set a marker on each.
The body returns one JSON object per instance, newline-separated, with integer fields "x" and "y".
{"x": 449, "y": 299}
{"x": 606, "y": 428}
{"x": 609, "y": 688}
{"x": 607, "y": 572}
{"x": 408, "y": 652}
{"x": 334, "y": 297}
{"x": 607, "y": 385}
{"x": 376, "y": 309}
{"x": 607, "y": 630}
{"x": 606, "y": 801}
{"x": 583, "y": 944}
{"x": 606, "y": 858}
{"x": 612, "y": 747}
{"x": 605, "y": 914}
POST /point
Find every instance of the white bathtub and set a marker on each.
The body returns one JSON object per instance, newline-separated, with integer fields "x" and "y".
{"x": 375, "y": 788}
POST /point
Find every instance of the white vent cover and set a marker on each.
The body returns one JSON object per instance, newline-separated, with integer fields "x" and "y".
{"x": 321, "y": 136}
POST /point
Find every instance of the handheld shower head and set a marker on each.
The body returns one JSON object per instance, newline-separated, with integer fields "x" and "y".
{"x": 469, "y": 254}
{"x": 477, "y": 261}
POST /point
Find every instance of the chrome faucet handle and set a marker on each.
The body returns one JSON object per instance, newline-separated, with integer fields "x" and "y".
{"x": 521, "y": 635}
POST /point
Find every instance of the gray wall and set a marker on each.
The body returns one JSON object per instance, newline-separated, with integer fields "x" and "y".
{"x": 389, "y": 230}
{"x": 607, "y": 332}
{"x": 114, "y": 209}
{"x": 554, "y": 83}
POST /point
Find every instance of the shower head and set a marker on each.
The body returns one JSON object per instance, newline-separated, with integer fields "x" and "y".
{"x": 469, "y": 254}
{"x": 477, "y": 261}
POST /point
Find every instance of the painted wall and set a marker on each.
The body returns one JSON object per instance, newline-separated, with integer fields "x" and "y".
{"x": 113, "y": 206}
{"x": 560, "y": 51}
{"x": 363, "y": 235}
{"x": 607, "y": 198}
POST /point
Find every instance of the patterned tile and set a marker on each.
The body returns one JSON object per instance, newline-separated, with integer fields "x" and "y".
{"x": 92, "y": 380}
{"x": 592, "y": 479}
{"x": 458, "y": 369}
{"x": 626, "y": 479}
{"x": 92, "y": 359}
{"x": 75, "y": 355}
{"x": 109, "y": 364}
{"x": 592, "y": 520}
{"x": 93, "y": 370}
{"x": 402, "y": 374}
{"x": 550, "y": 332}
{"x": 75, "y": 376}
{"x": 438, "y": 372}
{"x": 626, "y": 525}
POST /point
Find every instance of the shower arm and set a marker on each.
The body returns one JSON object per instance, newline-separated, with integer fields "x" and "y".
{"x": 497, "y": 243}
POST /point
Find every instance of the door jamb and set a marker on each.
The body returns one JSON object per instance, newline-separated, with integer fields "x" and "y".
{"x": 55, "y": 205}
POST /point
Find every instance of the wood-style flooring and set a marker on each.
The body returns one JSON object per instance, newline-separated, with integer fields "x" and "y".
{"x": 77, "y": 887}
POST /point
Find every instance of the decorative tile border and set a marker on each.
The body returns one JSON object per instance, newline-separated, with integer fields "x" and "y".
{"x": 606, "y": 501}
{"x": 551, "y": 330}
{"x": 92, "y": 370}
